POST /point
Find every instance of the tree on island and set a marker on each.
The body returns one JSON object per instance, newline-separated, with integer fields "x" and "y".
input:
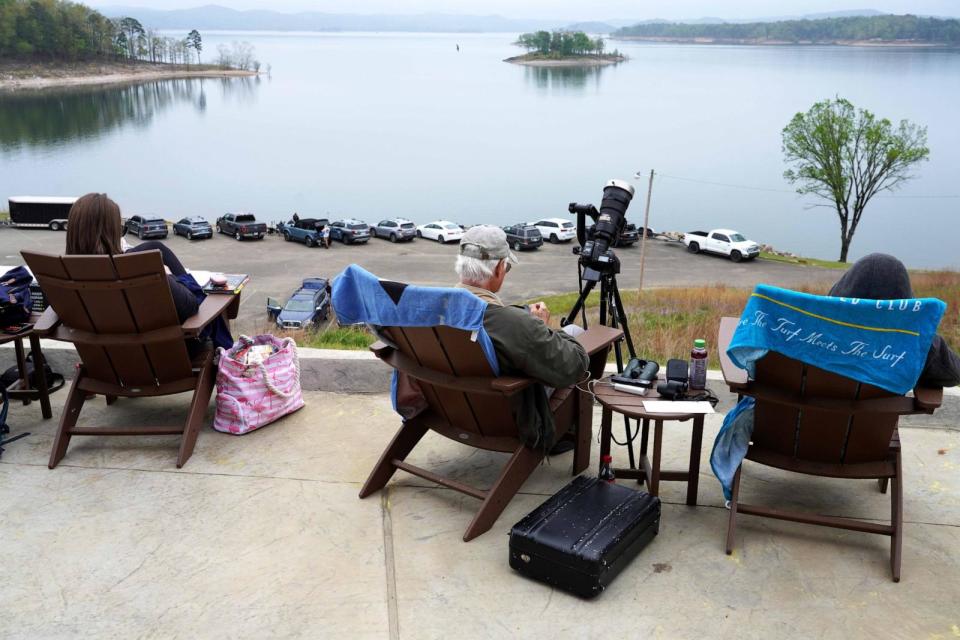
{"x": 195, "y": 42}
{"x": 847, "y": 156}
{"x": 561, "y": 44}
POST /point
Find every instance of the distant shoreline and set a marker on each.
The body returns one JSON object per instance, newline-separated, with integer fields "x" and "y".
{"x": 895, "y": 44}
{"x": 17, "y": 76}
{"x": 534, "y": 60}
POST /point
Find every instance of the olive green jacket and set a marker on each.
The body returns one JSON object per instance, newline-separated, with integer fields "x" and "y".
{"x": 525, "y": 346}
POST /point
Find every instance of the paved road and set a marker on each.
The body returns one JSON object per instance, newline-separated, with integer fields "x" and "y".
{"x": 276, "y": 267}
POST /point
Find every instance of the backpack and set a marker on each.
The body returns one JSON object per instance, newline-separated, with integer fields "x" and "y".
{"x": 15, "y": 296}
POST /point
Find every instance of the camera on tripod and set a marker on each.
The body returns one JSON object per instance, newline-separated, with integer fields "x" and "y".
{"x": 596, "y": 255}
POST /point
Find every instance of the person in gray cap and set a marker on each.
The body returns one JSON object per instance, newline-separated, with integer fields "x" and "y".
{"x": 525, "y": 345}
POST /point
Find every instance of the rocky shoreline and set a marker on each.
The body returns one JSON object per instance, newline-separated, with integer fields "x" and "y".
{"x": 898, "y": 44}
{"x": 31, "y": 77}
{"x": 572, "y": 61}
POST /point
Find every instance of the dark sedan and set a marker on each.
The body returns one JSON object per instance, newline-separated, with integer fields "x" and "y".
{"x": 146, "y": 227}
{"x": 193, "y": 228}
{"x": 523, "y": 236}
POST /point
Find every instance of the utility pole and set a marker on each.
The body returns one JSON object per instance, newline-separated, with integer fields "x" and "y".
{"x": 643, "y": 238}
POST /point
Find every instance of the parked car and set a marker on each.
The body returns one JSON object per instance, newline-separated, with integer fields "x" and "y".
{"x": 440, "y": 230}
{"x": 523, "y": 236}
{"x": 395, "y": 229}
{"x": 309, "y": 231}
{"x": 308, "y": 306}
{"x": 241, "y": 225}
{"x": 629, "y": 236}
{"x": 725, "y": 242}
{"x": 146, "y": 227}
{"x": 192, "y": 228}
{"x": 556, "y": 229}
{"x": 350, "y": 231}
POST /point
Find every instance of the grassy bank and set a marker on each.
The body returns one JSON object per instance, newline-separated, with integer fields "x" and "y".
{"x": 665, "y": 322}
{"x": 812, "y": 262}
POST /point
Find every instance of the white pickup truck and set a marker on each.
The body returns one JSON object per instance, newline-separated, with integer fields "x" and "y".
{"x": 725, "y": 242}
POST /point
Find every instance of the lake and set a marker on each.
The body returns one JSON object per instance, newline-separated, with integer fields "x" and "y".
{"x": 377, "y": 125}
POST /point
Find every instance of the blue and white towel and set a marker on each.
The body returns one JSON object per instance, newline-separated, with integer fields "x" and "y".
{"x": 359, "y": 297}
{"x": 880, "y": 342}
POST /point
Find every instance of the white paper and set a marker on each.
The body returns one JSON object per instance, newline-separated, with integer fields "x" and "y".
{"x": 677, "y": 406}
{"x": 202, "y": 277}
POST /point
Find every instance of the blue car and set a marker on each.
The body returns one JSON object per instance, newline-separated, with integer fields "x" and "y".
{"x": 306, "y": 308}
{"x": 192, "y": 228}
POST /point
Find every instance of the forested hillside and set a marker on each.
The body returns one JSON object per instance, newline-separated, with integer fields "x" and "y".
{"x": 886, "y": 28}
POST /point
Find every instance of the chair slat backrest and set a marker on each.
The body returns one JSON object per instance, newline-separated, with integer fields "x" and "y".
{"x": 451, "y": 351}
{"x": 810, "y": 434}
{"x": 117, "y": 296}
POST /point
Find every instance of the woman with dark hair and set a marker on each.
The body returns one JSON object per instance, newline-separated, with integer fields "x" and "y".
{"x": 94, "y": 227}
{"x": 882, "y": 277}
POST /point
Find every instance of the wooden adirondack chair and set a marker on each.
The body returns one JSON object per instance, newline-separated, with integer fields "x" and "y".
{"x": 469, "y": 405}
{"x": 811, "y": 421}
{"x": 119, "y": 314}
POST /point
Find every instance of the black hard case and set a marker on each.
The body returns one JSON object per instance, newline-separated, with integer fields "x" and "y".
{"x": 583, "y": 536}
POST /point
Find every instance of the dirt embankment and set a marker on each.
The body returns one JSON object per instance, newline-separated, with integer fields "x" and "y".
{"x": 22, "y": 75}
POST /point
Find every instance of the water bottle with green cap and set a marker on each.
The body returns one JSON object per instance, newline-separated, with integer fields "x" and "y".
{"x": 698, "y": 364}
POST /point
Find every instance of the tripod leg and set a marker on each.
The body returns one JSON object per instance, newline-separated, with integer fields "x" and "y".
{"x": 607, "y": 301}
{"x": 621, "y": 315}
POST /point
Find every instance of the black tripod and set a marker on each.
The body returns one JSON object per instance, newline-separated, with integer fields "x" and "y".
{"x": 611, "y": 315}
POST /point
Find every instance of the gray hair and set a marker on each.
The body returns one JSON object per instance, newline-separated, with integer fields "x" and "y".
{"x": 474, "y": 270}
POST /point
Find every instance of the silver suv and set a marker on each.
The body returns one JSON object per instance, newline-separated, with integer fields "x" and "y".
{"x": 395, "y": 230}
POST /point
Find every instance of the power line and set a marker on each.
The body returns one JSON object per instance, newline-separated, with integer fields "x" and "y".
{"x": 771, "y": 190}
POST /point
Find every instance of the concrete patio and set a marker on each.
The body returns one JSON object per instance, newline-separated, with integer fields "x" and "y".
{"x": 263, "y": 536}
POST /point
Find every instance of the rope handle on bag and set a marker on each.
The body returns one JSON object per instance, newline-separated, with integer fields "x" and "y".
{"x": 296, "y": 366}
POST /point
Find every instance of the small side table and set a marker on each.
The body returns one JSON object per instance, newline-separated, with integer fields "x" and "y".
{"x": 631, "y": 405}
{"x": 21, "y": 389}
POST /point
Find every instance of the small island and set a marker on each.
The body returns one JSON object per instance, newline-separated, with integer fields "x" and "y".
{"x": 564, "y": 49}
{"x": 77, "y": 45}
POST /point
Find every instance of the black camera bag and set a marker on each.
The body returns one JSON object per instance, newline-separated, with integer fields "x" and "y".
{"x": 584, "y": 535}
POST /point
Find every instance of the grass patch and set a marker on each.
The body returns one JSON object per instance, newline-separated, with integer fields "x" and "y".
{"x": 4, "y": 216}
{"x": 812, "y": 262}
{"x": 350, "y": 338}
{"x": 665, "y": 322}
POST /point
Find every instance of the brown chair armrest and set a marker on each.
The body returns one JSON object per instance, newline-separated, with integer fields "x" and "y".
{"x": 735, "y": 377}
{"x": 210, "y": 309}
{"x": 510, "y": 385}
{"x": 598, "y": 338}
{"x": 380, "y": 349}
{"x": 46, "y": 322}
{"x": 928, "y": 398}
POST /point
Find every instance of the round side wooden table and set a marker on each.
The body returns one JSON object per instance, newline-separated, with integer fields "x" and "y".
{"x": 631, "y": 406}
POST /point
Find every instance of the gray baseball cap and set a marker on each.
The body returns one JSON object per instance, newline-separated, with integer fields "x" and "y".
{"x": 486, "y": 242}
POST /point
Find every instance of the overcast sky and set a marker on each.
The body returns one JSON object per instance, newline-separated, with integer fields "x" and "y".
{"x": 569, "y": 9}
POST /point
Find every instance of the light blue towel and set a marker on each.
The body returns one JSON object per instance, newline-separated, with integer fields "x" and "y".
{"x": 359, "y": 297}
{"x": 731, "y": 443}
{"x": 880, "y": 342}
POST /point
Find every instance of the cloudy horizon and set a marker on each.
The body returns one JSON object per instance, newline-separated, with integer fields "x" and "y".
{"x": 564, "y": 9}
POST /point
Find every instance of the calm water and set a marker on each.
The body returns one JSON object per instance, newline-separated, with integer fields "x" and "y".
{"x": 373, "y": 125}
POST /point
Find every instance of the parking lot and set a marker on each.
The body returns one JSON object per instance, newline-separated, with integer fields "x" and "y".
{"x": 277, "y": 267}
